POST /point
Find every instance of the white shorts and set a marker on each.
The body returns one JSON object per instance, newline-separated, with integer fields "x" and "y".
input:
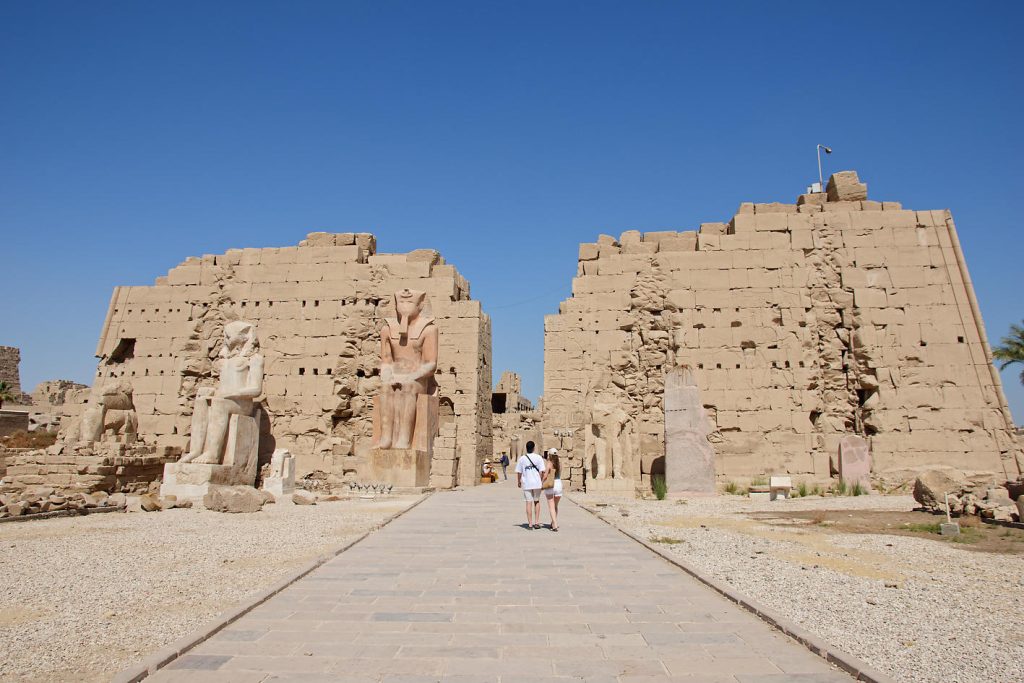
{"x": 555, "y": 491}
{"x": 531, "y": 495}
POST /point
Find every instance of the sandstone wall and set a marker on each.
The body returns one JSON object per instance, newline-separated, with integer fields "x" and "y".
{"x": 10, "y": 359}
{"x": 802, "y": 323}
{"x": 318, "y": 308}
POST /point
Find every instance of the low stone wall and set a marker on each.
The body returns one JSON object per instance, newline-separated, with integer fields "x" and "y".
{"x": 12, "y": 421}
{"x": 7, "y": 456}
{"x": 109, "y": 467}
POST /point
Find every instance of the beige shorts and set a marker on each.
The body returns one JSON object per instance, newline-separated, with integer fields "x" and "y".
{"x": 531, "y": 495}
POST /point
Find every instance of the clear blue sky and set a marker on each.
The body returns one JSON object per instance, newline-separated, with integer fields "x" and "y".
{"x": 133, "y": 135}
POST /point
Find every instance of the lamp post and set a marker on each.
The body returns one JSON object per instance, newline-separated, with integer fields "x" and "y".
{"x": 821, "y": 179}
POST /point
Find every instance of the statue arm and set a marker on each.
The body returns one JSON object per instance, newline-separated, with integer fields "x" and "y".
{"x": 429, "y": 364}
{"x": 254, "y": 380}
{"x": 387, "y": 360}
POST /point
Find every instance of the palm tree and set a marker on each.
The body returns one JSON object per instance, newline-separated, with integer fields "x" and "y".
{"x": 1011, "y": 349}
{"x": 6, "y": 393}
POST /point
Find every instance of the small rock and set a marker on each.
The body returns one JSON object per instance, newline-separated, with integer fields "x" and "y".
{"x": 149, "y": 503}
{"x": 234, "y": 499}
{"x": 872, "y": 601}
{"x": 117, "y": 500}
{"x": 303, "y": 498}
{"x": 16, "y": 509}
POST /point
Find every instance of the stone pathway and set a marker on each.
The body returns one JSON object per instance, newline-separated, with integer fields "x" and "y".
{"x": 458, "y": 590}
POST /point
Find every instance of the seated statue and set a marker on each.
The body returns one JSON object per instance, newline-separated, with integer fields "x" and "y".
{"x": 112, "y": 410}
{"x": 408, "y": 359}
{"x": 241, "y": 382}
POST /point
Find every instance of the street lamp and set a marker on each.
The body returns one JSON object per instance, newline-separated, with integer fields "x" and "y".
{"x": 821, "y": 179}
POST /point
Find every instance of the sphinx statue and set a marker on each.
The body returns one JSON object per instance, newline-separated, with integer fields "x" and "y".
{"x": 241, "y": 382}
{"x": 112, "y": 411}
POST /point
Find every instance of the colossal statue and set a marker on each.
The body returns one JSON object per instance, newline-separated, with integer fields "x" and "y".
{"x": 408, "y": 359}
{"x": 241, "y": 382}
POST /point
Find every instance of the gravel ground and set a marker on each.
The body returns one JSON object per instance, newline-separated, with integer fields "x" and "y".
{"x": 954, "y": 615}
{"x": 83, "y": 597}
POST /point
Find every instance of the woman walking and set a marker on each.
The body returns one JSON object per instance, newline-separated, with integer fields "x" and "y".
{"x": 553, "y": 494}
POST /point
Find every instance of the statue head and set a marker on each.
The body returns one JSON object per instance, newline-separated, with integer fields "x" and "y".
{"x": 408, "y": 306}
{"x": 239, "y": 339}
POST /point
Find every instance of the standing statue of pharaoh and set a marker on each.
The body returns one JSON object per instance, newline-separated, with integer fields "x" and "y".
{"x": 241, "y": 382}
{"x": 408, "y": 359}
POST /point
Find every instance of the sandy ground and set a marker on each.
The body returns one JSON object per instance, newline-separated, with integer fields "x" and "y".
{"x": 83, "y": 597}
{"x": 911, "y": 604}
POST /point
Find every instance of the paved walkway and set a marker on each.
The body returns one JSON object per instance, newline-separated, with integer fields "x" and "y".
{"x": 458, "y": 590}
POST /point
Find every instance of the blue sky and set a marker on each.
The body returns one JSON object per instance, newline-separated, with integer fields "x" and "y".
{"x": 133, "y": 135}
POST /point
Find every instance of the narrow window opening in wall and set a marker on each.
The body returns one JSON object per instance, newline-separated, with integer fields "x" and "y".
{"x": 243, "y": 304}
{"x": 125, "y": 350}
{"x": 327, "y": 371}
{"x": 302, "y": 371}
{"x": 303, "y": 304}
{"x": 270, "y": 303}
{"x": 959, "y": 340}
{"x": 773, "y": 346}
{"x": 787, "y": 364}
{"x": 737, "y": 366}
{"x": 256, "y": 304}
{"x": 133, "y": 373}
{"x": 801, "y": 363}
{"x": 775, "y": 364}
{"x": 161, "y": 373}
{"x": 924, "y": 343}
{"x": 360, "y": 373}
{"x": 718, "y": 366}
{"x": 716, "y": 310}
{"x": 129, "y": 311}
{"x": 451, "y": 370}
{"x": 147, "y": 373}
{"x": 316, "y": 302}
{"x": 700, "y": 366}
{"x": 735, "y": 323}
{"x": 737, "y": 310}
{"x": 316, "y": 371}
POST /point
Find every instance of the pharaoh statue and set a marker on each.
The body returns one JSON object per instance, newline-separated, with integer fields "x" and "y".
{"x": 611, "y": 439}
{"x": 405, "y": 418}
{"x": 241, "y": 382}
{"x": 408, "y": 359}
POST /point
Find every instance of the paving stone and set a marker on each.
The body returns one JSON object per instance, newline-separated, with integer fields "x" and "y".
{"x": 466, "y": 593}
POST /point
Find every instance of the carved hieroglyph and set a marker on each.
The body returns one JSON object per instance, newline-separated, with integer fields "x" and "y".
{"x": 224, "y": 448}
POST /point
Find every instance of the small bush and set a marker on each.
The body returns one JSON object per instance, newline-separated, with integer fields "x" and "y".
{"x": 731, "y": 488}
{"x": 28, "y": 440}
{"x": 858, "y": 490}
{"x": 668, "y": 540}
{"x": 759, "y": 481}
{"x": 801, "y": 490}
{"x": 816, "y": 490}
{"x": 660, "y": 486}
{"x": 839, "y": 488}
{"x": 926, "y": 528}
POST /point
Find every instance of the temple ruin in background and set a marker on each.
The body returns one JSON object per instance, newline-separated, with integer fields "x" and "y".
{"x": 795, "y": 325}
{"x": 319, "y": 307}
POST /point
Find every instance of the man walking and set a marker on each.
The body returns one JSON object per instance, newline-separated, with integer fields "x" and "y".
{"x": 528, "y": 477}
{"x": 504, "y": 465}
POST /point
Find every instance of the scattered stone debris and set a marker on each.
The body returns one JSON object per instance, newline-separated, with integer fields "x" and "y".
{"x": 968, "y": 494}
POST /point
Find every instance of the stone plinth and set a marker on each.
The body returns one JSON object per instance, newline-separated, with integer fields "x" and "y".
{"x": 280, "y": 481}
{"x": 86, "y": 468}
{"x": 401, "y": 467}
{"x": 192, "y": 481}
{"x": 614, "y": 487}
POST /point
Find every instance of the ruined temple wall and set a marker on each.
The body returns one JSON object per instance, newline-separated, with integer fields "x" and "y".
{"x": 10, "y": 360}
{"x": 318, "y": 308}
{"x": 802, "y": 323}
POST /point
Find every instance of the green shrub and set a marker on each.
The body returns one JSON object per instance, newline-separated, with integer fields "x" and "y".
{"x": 858, "y": 490}
{"x": 801, "y": 490}
{"x": 660, "y": 486}
{"x": 731, "y": 488}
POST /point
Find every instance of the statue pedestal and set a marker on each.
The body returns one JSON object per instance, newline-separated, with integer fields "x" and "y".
{"x": 612, "y": 487}
{"x": 402, "y": 467}
{"x": 192, "y": 480}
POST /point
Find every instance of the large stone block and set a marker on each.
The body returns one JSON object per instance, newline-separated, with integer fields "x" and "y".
{"x": 689, "y": 456}
{"x": 192, "y": 481}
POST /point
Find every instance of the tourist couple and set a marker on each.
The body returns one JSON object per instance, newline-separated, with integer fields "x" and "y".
{"x": 536, "y": 475}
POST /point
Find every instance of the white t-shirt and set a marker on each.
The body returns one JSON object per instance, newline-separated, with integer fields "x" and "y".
{"x": 531, "y": 477}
